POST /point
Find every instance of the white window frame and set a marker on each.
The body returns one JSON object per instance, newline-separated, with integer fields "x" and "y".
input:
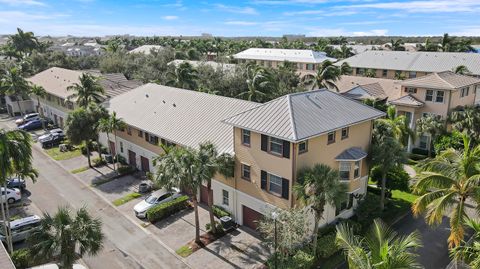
{"x": 305, "y": 142}
{"x": 432, "y": 95}
{"x": 342, "y": 168}
{"x": 436, "y": 96}
{"x": 276, "y": 141}
{"x": 356, "y": 169}
{"x": 246, "y": 133}
{"x": 464, "y": 91}
{"x": 347, "y": 129}
{"x": 225, "y": 199}
{"x": 279, "y": 184}
{"x": 244, "y": 165}
{"x": 334, "y": 133}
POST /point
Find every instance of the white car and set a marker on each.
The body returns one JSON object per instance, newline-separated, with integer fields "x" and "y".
{"x": 13, "y": 195}
{"x": 27, "y": 118}
{"x": 157, "y": 197}
{"x": 22, "y": 228}
{"x": 52, "y": 132}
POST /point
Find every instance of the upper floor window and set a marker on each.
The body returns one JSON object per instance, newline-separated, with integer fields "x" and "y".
{"x": 429, "y": 95}
{"x": 410, "y": 90}
{"x": 344, "y": 170}
{"x": 360, "y": 71}
{"x": 464, "y": 92}
{"x": 436, "y": 96}
{"x": 303, "y": 147}
{"x": 275, "y": 184}
{"x": 261, "y": 63}
{"x": 140, "y": 133}
{"x": 300, "y": 66}
{"x": 356, "y": 170}
{"x": 331, "y": 137}
{"x": 345, "y": 132}
{"x": 121, "y": 146}
{"x": 384, "y": 73}
{"x": 310, "y": 66}
{"x": 246, "y": 171}
{"x": 412, "y": 74}
{"x": 151, "y": 139}
{"x": 440, "y": 96}
{"x": 129, "y": 130}
{"x": 276, "y": 145}
{"x": 246, "y": 137}
{"x": 269, "y": 63}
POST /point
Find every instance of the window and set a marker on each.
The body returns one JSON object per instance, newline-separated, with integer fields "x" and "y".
{"x": 246, "y": 172}
{"x": 246, "y": 137}
{"x": 410, "y": 90}
{"x": 129, "y": 130}
{"x": 464, "y": 92}
{"x": 140, "y": 133}
{"x": 360, "y": 71}
{"x": 398, "y": 73}
{"x": 423, "y": 142}
{"x": 429, "y": 95}
{"x": 269, "y": 64}
{"x": 121, "y": 146}
{"x": 412, "y": 74}
{"x": 356, "y": 171}
{"x": 310, "y": 67}
{"x": 225, "y": 199}
{"x": 300, "y": 66}
{"x": 303, "y": 147}
{"x": 345, "y": 204}
{"x": 151, "y": 139}
{"x": 276, "y": 145}
{"x": 384, "y": 73}
{"x": 331, "y": 137}
{"x": 275, "y": 184}
{"x": 344, "y": 170}
{"x": 439, "y": 96}
{"x": 345, "y": 132}
{"x": 261, "y": 63}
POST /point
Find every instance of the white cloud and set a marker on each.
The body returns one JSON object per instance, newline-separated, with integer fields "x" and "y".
{"x": 343, "y": 32}
{"x": 378, "y": 32}
{"x": 421, "y": 6}
{"x": 170, "y": 17}
{"x": 238, "y": 10}
{"x": 23, "y": 2}
{"x": 21, "y": 16}
{"x": 468, "y": 31}
{"x": 242, "y": 23}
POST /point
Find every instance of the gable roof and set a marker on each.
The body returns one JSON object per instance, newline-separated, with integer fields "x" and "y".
{"x": 446, "y": 80}
{"x": 367, "y": 91}
{"x": 422, "y": 61}
{"x": 184, "y": 117}
{"x": 299, "y": 116}
{"x": 291, "y": 55}
{"x": 407, "y": 100}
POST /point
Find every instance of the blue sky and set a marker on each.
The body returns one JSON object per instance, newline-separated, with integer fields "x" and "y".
{"x": 242, "y": 18}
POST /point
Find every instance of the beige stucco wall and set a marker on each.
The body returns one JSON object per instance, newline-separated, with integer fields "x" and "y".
{"x": 390, "y": 73}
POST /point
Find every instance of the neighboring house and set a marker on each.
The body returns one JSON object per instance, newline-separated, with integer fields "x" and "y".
{"x": 435, "y": 94}
{"x": 306, "y": 61}
{"x": 57, "y": 103}
{"x": 12, "y": 105}
{"x": 373, "y": 91}
{"x": 386, "y": 64}
{"x": 215, "y": 65}
{"x": 361, "y": 88}
{"x": 146, "y": 49}
{"x": 73, "y": 50}
{"x": 270, "y": 141}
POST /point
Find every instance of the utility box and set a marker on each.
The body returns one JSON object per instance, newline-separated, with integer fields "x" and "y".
{"x": 227, "y": 223}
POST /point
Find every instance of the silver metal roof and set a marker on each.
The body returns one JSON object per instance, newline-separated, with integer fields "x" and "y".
{"x": 421, "y": 61}
{"x": 291, "y": 55}
{"x": 447, "y": 80}
{"x": 184, "y": 117}
{"x": 299, "y": 116}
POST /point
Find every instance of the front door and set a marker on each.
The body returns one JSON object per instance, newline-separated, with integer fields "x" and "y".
{"x": 112, "y": 147}
{"x": 204, "y": 194}
{"x": 132, "y": 158}
{"x": 145, "y": 164}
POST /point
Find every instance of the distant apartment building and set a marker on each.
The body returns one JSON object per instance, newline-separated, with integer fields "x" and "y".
{"x": 146, "y": 49}
{"x": 306, "y": 61}
{"x": 396, "y": 64}
{"x": 227, "y": 68}
{"x": 57, "y": 102}
{"x": 270, "y": 142}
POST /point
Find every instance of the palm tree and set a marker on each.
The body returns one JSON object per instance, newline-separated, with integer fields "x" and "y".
{"x": 67, "y": 238}
{"x": 13, "y": 83}
{"x": 381, "y": 248}
{"x": 469, "y": 253}
{"x": 15, "y": 159}
{"x": 398, "y": 125}
{"x": 259, "y": 83}
{"x": 117, "y": 124}
{"x": 328, "y": 74}
{"x": 387, "y": 154}
{"x": 23, "y": 42}
{"x": 431, "y": 125}
{"x": 447, "y": 181}
{"x": 87, "y": 91}
{"x": 467, "y": 119}
{"x": 447, "y": 43}
{"x": 39, "y": 91}
{"x": 461, "y": 70}
{"x": 184, "y": 76}
{"x": 180, "y": 167}
{"x": 396, "y": 45}
{"x": 316, "y": 187}
{"x": 370, "y": 73}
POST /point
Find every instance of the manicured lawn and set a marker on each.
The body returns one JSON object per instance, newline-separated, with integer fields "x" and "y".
{"x": 399, "y": 205}
{"x": 127, "y": 198}
{"x": 79, "y": 170}
{"x": 57, "y": 155}
{"x": 184, "y": 251}
{"x": 405, "y": 196}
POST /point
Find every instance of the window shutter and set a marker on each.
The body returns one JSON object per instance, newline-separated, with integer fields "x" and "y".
{"x": 285, "y": 188}
{"x": 286, "y": 149}
{"x": 263, "y": 180}
{"x": 264, "y": 145}
{"x": 146, "y": 137}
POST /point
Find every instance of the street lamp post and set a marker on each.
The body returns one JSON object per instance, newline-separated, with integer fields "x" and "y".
{"x": 274, "y": 217}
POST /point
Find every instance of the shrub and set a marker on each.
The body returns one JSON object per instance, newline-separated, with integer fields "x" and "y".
{"x": 97, "y": 162}
{"x": 326, "y": 245}
{"x": 121, "y": 159}
{"x": 378, "y": 191}
{"x": 397, "y": 179}
{"x": 124, "y": 170}
{"x": 219, "y": 211}
{"x": 164, "y": 210}
{"x": 449, "y": 140}
{"x": 21, "y": 258}
{"x": 327, "y": 229}
{"x": 368, "y": 210}
{"x": 303, "y": 260}
{"x": 218, "y": 225}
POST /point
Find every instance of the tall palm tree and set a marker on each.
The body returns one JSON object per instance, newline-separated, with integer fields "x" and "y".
{"x": 87, "y": 91}
{"x": 461, "y": 70}
{"x": 184, "y": 76}
{"x": 387, "y": 154}
{"x": 431, "y": 125}
{"x": 316, "y": 187}
{"x": 117, "y": 124}
{"x": 39, "y": 91}
{"x": 398, "y": 125}
{"x": 381, "y": 248}
{"x": 259, "y": 83}
{"x": 467, "y": 119}
{"x": 67, "y": 238}
{"x": 447, "y": 43}
{"x": 470, "y": 253}
{"x": 396, "y": 45}
{"x": 15, "y": 159}
{"x": 23, "y": 42}
{"x": 446, "y": 182}
{"x": 13, "y": 83}
{"x": 328, "y": 74}
{"x": 180, "y": 167}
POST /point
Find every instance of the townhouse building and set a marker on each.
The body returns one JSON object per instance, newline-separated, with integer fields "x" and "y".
{"x": 435, "y": 94}
{"x": 406, "y": 64}
{"x": 57, "y": 102}
{"x": 270, "y": 141}
{"x": 306, "y": 61}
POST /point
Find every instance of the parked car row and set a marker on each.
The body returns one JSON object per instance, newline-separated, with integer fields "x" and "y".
{"x": 53, "y": 138}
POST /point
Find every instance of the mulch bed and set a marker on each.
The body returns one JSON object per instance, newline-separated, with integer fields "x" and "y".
{"x": 205, "y": 239}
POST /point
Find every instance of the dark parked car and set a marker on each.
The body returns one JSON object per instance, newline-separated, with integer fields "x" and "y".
{"x": 17, "y": 183}
{"x": 52, "y": 140}
{"x": 31, "y": 125}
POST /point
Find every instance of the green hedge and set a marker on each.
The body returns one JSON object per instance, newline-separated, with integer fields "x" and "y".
{"x": 123, "y": 170}
{"x": 219, "y": 211}
{"x": 326, "y": 245}
{"x": 21, "y": 258}
{"x": 164, "y": 210}
{"x": 303, "y": 260}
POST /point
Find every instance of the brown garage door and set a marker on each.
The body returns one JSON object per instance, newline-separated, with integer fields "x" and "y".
{"x": 145, "y": 164}
{"x": 132, "y": 158}
{"x": 250, "y": 217}
{"x": 204, "y": 194}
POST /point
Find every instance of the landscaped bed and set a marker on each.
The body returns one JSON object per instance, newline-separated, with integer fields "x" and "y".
{"x": 125, "y": 199}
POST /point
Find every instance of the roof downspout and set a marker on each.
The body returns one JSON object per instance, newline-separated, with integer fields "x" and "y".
{"x": 235, "y": 180}
{"x": 448, "y": 108}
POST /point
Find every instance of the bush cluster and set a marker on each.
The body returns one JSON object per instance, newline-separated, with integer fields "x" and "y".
{"x": 21, "y": 258}
{"x": 124, "y": 170}
{"x": 218, "y": 225}
{"x": 97, "y": 162}
{"x": 397, "y": 179}
{"x": 219, "y": 211}
{"x": 164, "y": 210}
